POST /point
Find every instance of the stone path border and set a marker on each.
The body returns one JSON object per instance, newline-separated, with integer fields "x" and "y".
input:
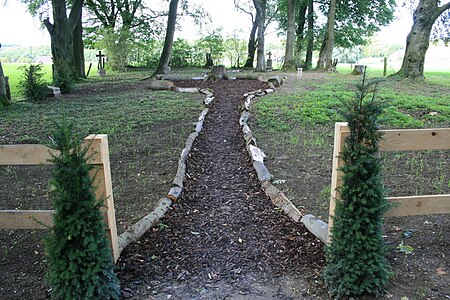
{"x": 277, "y": 197}
{"x": 139, "y": 228}
{"x": 316, "y": 226}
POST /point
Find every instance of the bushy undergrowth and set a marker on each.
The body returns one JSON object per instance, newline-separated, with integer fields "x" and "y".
{"x": 64, "y": 78}
{"x": 32, "y": 83}
{"x": 80, "y": 264}
{"x": 356, "y": 263}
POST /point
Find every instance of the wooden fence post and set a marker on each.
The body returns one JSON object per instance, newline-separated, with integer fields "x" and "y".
{"x": 395, "y": 140}
{"x": 336, "y": 175}
{"x": 98, "y": 155}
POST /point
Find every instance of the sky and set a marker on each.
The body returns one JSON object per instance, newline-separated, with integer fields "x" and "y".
{"x": 18, "y": 27}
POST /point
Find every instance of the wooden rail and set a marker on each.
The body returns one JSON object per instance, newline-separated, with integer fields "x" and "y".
{"x": 98, "y": 154}
{"x": 395, "y": 140}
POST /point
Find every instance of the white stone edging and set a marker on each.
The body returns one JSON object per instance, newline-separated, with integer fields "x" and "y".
{"x": 143, "y": 225}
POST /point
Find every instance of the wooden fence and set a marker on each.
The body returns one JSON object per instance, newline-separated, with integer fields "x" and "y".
{"x": 98, "y": 154}
{"x": 396, "y": 140}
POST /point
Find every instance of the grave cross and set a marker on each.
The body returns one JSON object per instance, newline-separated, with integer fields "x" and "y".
{"x": 270, "y": 55}
{"x": 101, "y": 60}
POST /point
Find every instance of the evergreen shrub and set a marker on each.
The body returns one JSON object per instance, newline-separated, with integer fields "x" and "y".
{"x": 64, "y": 77}
{"x": 80, "y": 263}
{"x": 32, "y": 83}
{"x": 356, "y": 263}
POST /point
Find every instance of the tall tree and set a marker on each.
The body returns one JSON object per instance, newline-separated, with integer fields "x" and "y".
{"x": 310, "y": 35}
{"x": 260, "y": 6}
{"x": 4, "y": 101}
{"x": 417, "y": 42}
{"x": 283, "y": 18}
{"x": 326, "y": 52}
{"x": 61, "y": 37}
{"x": 248, "y": 8}
{"x": 78, "y": 48}
{"x": 355, "y": 22}
{"x": 163, "y": 64}
{"x": 117, "y": 20}
{"x": 289, "y": 61}
{"x": 299, "y": 31}
{"x": 270, "y": 13}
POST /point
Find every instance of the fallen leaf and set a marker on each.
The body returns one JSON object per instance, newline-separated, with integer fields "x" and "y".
{"x": 440, "y": 271}
{"x": 396, "y": 228}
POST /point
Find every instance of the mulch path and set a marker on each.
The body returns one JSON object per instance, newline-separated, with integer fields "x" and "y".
{"x": 224, "y": 238}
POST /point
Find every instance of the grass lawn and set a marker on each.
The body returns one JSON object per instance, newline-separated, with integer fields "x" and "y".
{"x": 293, "y": 126}
{"x": 146, "y": 130}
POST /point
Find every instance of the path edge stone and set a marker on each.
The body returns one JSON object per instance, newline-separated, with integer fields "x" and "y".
{"x": 315, "y": 225}
{"x": 277, "y": 197}
{"x": 148, "y": 221}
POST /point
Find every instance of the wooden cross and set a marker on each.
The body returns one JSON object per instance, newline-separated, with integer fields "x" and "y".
{"x": 101, "y": 60}
{"x": 270, "y": 55}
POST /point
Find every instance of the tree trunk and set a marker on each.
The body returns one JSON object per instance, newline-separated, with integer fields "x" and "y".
{"x": 61, "y": 44}
{"x": 61, "y": 38}
{"x": 251, "y": 46}
{"x": 321, "y": 61}
{"x": 260, "y": 6}
{"x": 78, "y": 49}
{"x": 418, "y": 39}
{"x": 289, "y": 62}
{"x": 209, "y": 60}
{"x": 310, "y": 35}
{"x": 163, "y": 64}
{"x": 4, "y": 101}
{"x": 300, "y": 31}
{"x": 326, "y": 53}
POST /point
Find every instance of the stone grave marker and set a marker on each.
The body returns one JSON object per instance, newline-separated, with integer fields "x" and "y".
{"x": 269, "y": 62}
{"x": 101, "y": 64}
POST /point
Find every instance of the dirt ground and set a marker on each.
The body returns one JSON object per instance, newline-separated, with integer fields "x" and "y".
{"x": 144, "y": 163}
{"x": 224, "y": 239}
{"x": 306, "y": 168}
{"x": 302, "y": 159}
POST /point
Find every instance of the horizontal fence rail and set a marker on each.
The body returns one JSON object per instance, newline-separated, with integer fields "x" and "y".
{"x": 395, "y": 140}
{"x": 98, "y": 156}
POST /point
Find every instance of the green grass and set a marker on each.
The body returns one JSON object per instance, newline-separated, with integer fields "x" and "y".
{"x": 313, "y": 101}
{"x": 15, "y": 74}
{"x": 99, "y": 112}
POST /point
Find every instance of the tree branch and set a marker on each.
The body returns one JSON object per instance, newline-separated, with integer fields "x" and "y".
{"x": 50, "y": 27}
{"x": 440, "y": 9}
{"x": 238, "y": 7}
{"x": 75, "y": 13}
{"x": 92, "y": 6}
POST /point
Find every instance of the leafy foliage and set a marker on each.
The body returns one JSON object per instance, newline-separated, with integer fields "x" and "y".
{"x": 181, "y": 54}
{"x": 356, "y": 264}
{"x": 118, "y": 46}
{"x": 80, "y": 262}
{"x": 63, "y": 77}
{"x": 213, "y": 44}
{"x": 4, "y": 101}
{"x": 356, "y": 21}
{"x": 32, "y": 83}
{"x": 441, "y": 30}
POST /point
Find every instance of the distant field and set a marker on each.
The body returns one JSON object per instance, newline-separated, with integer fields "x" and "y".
{"x": 15, "y": 73}
{"x": 433, "y": 73}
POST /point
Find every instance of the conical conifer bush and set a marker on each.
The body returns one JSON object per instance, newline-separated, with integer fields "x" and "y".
{"x": 356, "y": 263}
{"x": 80, "y": 264}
